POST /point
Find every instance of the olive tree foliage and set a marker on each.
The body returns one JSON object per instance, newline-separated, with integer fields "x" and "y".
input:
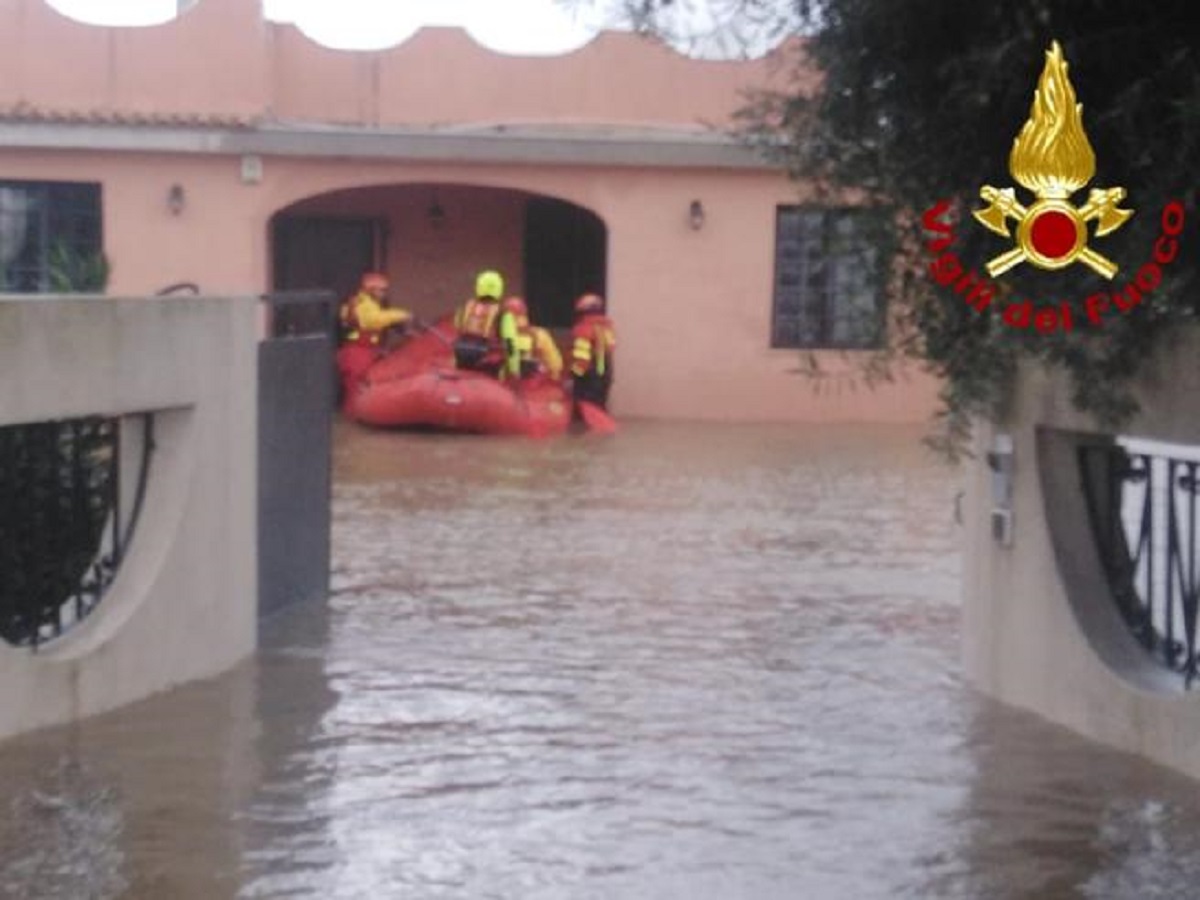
{"x": 921, "y": 100}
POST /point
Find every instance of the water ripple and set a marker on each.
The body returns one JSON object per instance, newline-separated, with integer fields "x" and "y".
{"x": 687, "y": 662}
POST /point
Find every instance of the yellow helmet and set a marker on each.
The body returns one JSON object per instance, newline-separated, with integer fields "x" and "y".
{"x": 489, "y": 284}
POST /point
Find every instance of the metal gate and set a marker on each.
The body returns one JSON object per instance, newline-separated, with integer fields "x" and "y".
{"x": 296, "y": 378}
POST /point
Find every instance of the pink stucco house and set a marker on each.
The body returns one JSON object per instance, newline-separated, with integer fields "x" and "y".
{"x": 233, "y": 152}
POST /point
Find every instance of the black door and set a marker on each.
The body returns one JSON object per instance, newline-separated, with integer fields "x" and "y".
{"x": 566, "y": 249}
{"x": 324, "y": 253}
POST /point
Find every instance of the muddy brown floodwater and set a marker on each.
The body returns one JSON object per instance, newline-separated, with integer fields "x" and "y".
{"x": 690, "y": 661}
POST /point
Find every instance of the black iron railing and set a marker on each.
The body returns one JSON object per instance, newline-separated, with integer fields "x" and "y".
{"x": 1143, "y": 509}
{"x": 63, "y": 532}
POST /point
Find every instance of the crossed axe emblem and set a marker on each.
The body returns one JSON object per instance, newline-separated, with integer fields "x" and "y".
{"x": 1052, "y": 234}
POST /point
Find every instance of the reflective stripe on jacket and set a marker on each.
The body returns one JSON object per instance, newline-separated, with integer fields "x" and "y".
{"x": 537, "y": 345}
{"x": 592, "y": 346}
{"x": 545, "y": 351}
{"x": 478, "y": 317}
{"x": 364, "y": 319}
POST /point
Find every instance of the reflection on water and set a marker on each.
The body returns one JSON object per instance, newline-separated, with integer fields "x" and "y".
{"x": 688, "y": 661}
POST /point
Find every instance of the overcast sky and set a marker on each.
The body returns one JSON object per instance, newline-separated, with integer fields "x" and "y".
{"x": 511, "y": 26}
{"x": 712, "y": 28}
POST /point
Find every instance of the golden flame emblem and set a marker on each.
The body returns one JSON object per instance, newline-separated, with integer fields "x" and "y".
{"x": 1052, "y": 158}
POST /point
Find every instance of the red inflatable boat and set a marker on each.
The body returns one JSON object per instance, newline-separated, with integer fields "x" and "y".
{"x": 417, "y": 385}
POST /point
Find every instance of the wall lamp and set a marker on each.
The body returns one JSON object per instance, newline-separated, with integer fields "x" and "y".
{"x": 175, "y": 199}
{"x": 696, "y": 215}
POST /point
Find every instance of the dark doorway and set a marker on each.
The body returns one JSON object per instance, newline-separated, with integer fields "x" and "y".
{"x": 566, "y": 248}
{"x": 324, "y": 253}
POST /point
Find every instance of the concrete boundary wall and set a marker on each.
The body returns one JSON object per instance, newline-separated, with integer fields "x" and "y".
{"x": 183, "y": 603}
{"x": 1040, "y": 630}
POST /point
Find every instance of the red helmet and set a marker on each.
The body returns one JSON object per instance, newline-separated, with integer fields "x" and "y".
{"x": 374, "y": 281}
{"x": 589, "y": 303}
{"x": 516, "y": 306}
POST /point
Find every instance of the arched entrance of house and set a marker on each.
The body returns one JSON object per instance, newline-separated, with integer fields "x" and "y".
{"x": 432, "y": 238}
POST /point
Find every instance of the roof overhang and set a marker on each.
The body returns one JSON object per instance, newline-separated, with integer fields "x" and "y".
{"x": 541, "y": 145}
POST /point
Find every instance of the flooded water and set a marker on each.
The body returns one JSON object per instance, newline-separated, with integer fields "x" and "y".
{"x": 684, "y": 662}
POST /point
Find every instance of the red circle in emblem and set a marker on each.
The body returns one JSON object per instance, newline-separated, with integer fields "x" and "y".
{"x": 1053, "y": 234}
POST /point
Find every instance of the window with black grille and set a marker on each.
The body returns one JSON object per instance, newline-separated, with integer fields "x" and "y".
{"x": 828, "y": 278}
{"x": 58, "y": 488}
{"x": 50, "y": 237}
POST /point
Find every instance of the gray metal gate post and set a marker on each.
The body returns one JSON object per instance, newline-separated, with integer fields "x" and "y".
{"x": 295, "y": 418}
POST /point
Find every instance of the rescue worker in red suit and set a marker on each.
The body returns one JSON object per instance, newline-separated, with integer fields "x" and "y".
{"x": 477, "y": 344}
{"x": 364, "y": 319}
{"x": 593, "y": 342}
{"x": 529, "y": 350}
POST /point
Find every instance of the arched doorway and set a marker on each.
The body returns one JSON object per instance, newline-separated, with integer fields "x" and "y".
{"x": 432, "y": 238}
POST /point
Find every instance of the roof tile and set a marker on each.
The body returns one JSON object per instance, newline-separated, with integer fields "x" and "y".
{"x": 24, "y": 111}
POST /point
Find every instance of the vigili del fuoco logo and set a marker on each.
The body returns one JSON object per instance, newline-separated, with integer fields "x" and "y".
{"x": 1052, "y": 159}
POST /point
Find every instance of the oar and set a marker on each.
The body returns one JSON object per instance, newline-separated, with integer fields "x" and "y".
{"x": 596, "y": 418}
{"x": 431, "y": 329}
